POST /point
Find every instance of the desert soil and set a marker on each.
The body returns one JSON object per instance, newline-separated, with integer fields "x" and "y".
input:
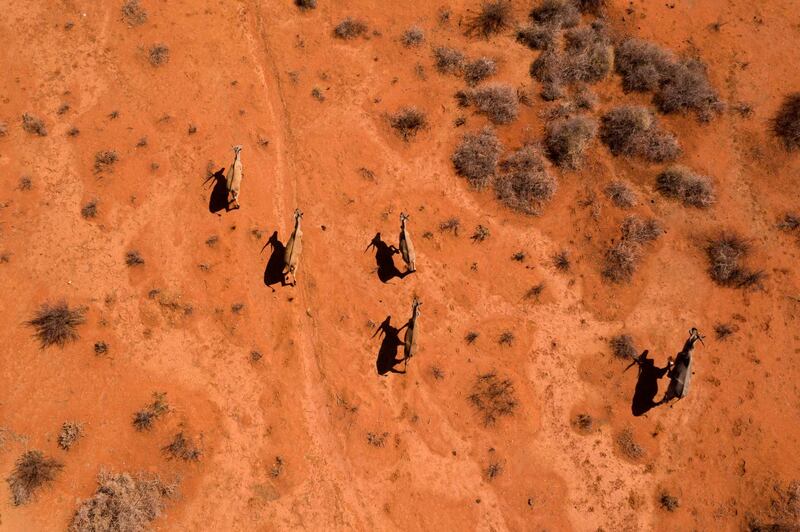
{"x": 310, "y": 435}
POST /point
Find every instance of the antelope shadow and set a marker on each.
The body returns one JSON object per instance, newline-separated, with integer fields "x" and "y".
{"x": 384, "y": 259}
{"x": 387, "y": 353}
{"x": 219, "y": 193}
{"x": 273, "y": 272}
{"x": 647, "y": 384}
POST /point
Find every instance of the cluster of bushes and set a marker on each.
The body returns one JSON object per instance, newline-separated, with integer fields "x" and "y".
{"x": 634, "y": 131}
{"x": 678, "y": 182}
{"x": 498, "y": 102}
{"x": 454, "y": 62}
{"x": 622, "y": 258}
{"x": 523, "y": 183}
{"x": 677, "y": 85}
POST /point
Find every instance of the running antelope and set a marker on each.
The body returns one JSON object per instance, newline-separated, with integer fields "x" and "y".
{"x": 234, "y": 177}
{"x": 410, "y": 348}
{"x": 406, "y": 247}
{"x": 680, "y": 371}
{"x": 291, "y": 257}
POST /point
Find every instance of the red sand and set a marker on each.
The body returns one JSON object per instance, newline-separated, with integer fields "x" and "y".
{"x": 244, "y": 71}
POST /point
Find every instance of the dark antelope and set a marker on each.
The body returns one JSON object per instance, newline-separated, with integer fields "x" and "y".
{"x": 680, "y": 371}
{"x": 410, "y": 347}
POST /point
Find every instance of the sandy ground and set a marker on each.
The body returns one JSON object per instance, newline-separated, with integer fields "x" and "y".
{"x": 362, "y": 450}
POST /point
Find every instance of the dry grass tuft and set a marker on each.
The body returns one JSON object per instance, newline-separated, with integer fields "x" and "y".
{"x": 678, "y": 182}
{"x": 306, "y": 5}
{"x": 57, "y": 324}
{"x": 566, "y": 140}
{"x": 726, "y": 252}
{"x": 158, "y": 54}
{"x": 70, "y": 433}
{"x": 786, "y": 122}
{"x": 31, "y": 471}
{"x": 620, "y": 194}
{"x": 493, "y": 397}
{"x": 523, "y": 183}
{"x": 89, "y": 210}
{"x": 622, "y": 258}
{"x": 478, "y": 70}
{"x": 105, "y": 160}
{"x": 407, "y": 122}
{"x": 33, "y": 125}
{"x": 498, "y": 102}
{"x": 449, "y": 60}
{"x": 133, "y": 14}
{"x": 183, "y": 448}
{"x": 494, "y": 17}
{"x": 628, "y": 446}
{"x": 143, "y": 419}
{"x": 668, "y": 502}
{"x": 134, "y": 258}
{"x": 413, "y": 36}
{"x": 622, "y": 346}
{"x": 561, "y": 261}
{"x": 634, "y": 131}
{"x": 476, "y": 156}
{"x": 350, "y": 28}
{"x": 122, "y": 503}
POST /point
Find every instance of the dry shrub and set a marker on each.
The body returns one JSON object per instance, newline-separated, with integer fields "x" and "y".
{"x": 634, "y": 131}
{"x": 561, "y": 261}
{"x": 790, "y": 222}
{"x": 640, "y": 231}
{"x": 183, "y": 448}
{"x": 537, "y": 37}
{"x": 678, "y": 86}
{"x": 641, "y": 64}
{"x": 678, "y": 182}
{"x": 620, "y": 194}
{"x": 57, "y": 324}
{"x": 498, "y": 102}
{"x": 133, "y": 14}
{"x": 591, "y": 7}
{"x": 449, "y": 60}
{"x": 158, "y": 54}
{"x": 786, "y": 123}
{"x": 622, "y": 346}
{"x": 478, "y": 70}
{"x": 407, "y": 122}
{"x": 548, "y": 67}
{"x": 122, "y": 503}
{"x": 588, "y": 54}
{"x": 306, "y": 5}
{"x": 349, "y": 28}
{"x": 556, "y": 13}
{"x": 622, "y": 258}
{"x": 105, "y": 160}
{"x": 70, "y": 433}
{"x": 494, "y": 17}
{"x": 628, "y": 446}
{"x": 524, "y": 184}
{"x": 724, "y": 330}
{"x": 782, "y": 513}
{"x": 493, "y": 397}
{"x": 668, "y": 502}
{"x": 567, "y": 139}
{"x": 89, "y": 210}
{"x": 33, "y": 125}
{"x": 25, "y": 183}
{"x": 451, "y": 225}
{"x": 143, "y": 419}
{"x": 134, "y": 258}
{"x": 413, "y": 36}
{"x": 31, "y": 471}
{"x": 481, "y": 233}
{"x": 726, "y": 252}
{"x": 476, "y": 156}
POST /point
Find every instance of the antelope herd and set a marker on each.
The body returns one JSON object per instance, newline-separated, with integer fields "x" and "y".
{"x": 679, "y": 371}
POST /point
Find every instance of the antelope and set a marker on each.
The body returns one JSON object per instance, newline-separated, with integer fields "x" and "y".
{"x": 406, "y": 247}
{"x": 410, "y": 340}
{"x": 680, "y": 371}
{"x": 291, "y": 257}
{"x": 234, "y": 177}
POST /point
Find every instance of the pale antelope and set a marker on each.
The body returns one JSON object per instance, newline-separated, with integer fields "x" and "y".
{"x": 234, "y": 177}
{"x": 406, "y": 246}
{"x": 410, "y": 340}
{"x": 291, "y": 257}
